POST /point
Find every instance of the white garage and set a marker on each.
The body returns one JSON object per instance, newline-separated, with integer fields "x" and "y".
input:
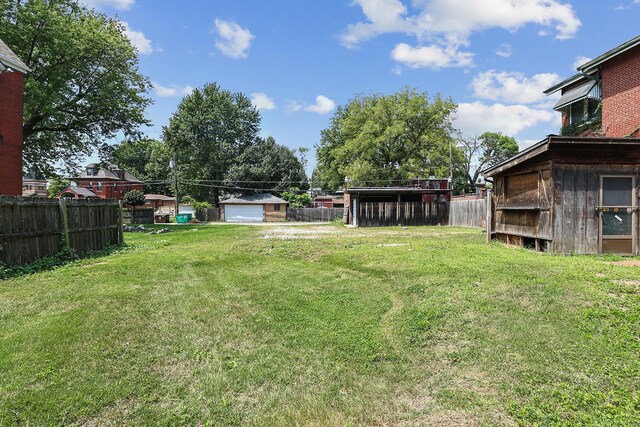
{"x": 243, "y": 213}
{"x": 254, "y": 208}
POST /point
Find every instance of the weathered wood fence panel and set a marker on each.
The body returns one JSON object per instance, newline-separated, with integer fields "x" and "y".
{"x": 209, "y": 214}
{"x": 35, "y": 228}
{"x": 314, "y": 214}
{"x": 468, "y": 213}
{"x": 138, "y": 216}
{"x": 376, "y": 214}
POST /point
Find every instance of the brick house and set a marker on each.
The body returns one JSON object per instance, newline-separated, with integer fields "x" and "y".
{"x": 12, "y": 71}
{"x": 578, "y": 192}
{"x": 602, "y": 98}
{"x": 112, "y": 183}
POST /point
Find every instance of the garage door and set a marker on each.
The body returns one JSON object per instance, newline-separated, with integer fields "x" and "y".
{"x": 243, "y": 213}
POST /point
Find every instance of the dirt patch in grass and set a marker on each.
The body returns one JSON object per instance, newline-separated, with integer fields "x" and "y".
{"x": 626, "y": 263}
{"x": 286, "y": 233}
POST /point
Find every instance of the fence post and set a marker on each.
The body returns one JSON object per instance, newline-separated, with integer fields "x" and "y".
{"x": 120, "y": 221}
{"x": 489, "y": 204}
{"x": 64, "y": 222}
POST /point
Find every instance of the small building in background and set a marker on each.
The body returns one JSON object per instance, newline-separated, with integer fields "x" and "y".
{"x": 160, "y": 202}
{"x": 12, "y": 71}
{"x": 74, "y": 192}
{"x": 34, "y": 188}
{"x": 417, "y": 202}
{"x": 328, "y": 201}
{"x": 254, "y": 208}
{"x": 107, "y": 183}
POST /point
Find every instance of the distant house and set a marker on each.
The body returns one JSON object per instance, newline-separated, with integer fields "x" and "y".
{"x": 107, "y": 183}
{"x": 328, "y": 201}
{"x": 73, "y": 192}
{"x": 12, "y": 71}
{"x": 403, "y": 203}
{"x": 602, "y": 98}
{"x": 159, "y": 201}
{"x": 578, "y": 193}
{"x": 34, "y": 188}
{"x": 254, "y": 208}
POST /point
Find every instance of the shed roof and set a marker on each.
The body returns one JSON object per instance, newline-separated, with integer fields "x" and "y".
{"x": 394, "y": 190}
{"x": 159, "y": 197}
{"x": 80, "y": 191}
{"x": 554, "y": 141}
{"x": 254, "y": 199}
{"x": 8, "y": 59}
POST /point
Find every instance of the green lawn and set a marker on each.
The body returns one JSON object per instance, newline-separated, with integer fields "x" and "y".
{"x": 222, "y": 326}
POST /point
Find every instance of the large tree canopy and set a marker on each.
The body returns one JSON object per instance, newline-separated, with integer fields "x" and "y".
{"x": 148, "y": 160}
{"x": 209, "y": 130}
{"x": 378, "y": 138}
{"x": 84, "y": 86}
{"x": 266, "y": 165}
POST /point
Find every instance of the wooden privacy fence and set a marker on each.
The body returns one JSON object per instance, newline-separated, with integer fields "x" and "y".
{"x": 375, "y": 214}
{"x": 209, "y": 214}
{"x": 468, "y": 213}
{"x": 35, "y": 228}
{"x": 314, "y": 214}
{"x": 138, "y": 216}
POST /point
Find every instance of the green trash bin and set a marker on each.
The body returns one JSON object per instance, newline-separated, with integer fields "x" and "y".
{"x": 183, "y": 218}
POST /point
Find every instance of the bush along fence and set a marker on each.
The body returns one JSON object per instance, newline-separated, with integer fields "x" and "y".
{"x": 31, "y": 229}
{"x": 376, "y": 214}
{"x": 314, "y": 214}
{"x": 138, "y": 216}
{"x": 468, "y": 213}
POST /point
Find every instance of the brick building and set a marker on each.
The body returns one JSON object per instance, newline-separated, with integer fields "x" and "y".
{"x": 112, "y": 183}
{"x": 12, "y": 71}
{"x": 602, "y": 98}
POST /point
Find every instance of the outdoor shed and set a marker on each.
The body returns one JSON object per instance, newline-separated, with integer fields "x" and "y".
{"x": 255, "y": 208}
{"x": 569, "y": 195}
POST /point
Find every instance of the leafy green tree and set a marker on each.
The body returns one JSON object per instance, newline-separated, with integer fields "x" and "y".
{"x": 148, "y": 160}
{"x": 133, "y": 198}
{"x": 375, "y": 139}
{"x": 296, "y": 197}
{"x": 207, "y": 133}
{"x": 84, "y": 85}
{"x": 481, "y": 152}
{"x": 266, "y": 166}
{"x": 56, "y": 185}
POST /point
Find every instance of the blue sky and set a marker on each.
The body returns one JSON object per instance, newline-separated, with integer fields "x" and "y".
{"x": 299, "y": 59}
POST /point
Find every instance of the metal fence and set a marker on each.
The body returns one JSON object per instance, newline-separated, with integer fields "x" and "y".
{"x": 377, "y": 214}
{"x": 35, "y": 228}
{"x": 314, "y": 214}
{"x": 468, "y": 213}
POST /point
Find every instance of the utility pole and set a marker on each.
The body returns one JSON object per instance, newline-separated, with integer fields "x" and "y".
{"x": 173, "y": 165}
{"x": 450, "y": 164}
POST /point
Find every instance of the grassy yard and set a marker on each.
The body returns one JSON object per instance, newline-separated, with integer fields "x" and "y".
{"x": 322, "y": 326}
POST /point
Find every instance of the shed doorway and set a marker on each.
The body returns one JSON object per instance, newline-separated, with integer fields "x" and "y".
{"x": 617, "y": 215}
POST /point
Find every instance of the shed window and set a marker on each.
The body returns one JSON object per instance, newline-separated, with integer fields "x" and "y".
{"x": 276, "y": 207}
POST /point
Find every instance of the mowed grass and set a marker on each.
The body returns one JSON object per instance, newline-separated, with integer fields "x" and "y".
{"x": 222, "y": 326}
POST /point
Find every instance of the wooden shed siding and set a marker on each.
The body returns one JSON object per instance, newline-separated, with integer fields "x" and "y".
{"x": 271, "y": 215}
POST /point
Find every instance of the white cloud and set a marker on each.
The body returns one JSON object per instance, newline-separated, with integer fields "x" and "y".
{"x": 262, "y": 102}
{"x": 233, "y": 40}
{"x": 116, "y": 4}
{"x": 477, "y": 117}
{"x": 579, "y": 61}
{"x": 504, "y": 50}
{"x": 448, "y": 24}
{"x": 171, "y": 90}
{"x": 294, "y": 106}
{"x": 431, "y": 56}
{"x": 526, "y": 143}
{"x": 138, "y": 39}
{"x": 323, "y": 105}
{"x": 512, "y": 87}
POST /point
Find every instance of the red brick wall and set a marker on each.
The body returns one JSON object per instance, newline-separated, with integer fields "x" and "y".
{"x": 621, "y": 94}
{"x": 108, "y": 190}
{"x": 11, "y": 98}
